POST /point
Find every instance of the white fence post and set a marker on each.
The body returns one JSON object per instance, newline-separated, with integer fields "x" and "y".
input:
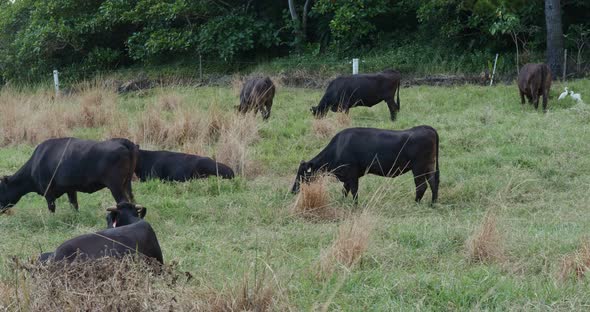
{"x": 564, "y": 64}
{"x": 56, "y": 82}
{"x": 494, "y": 70}
{"x": 355, "y": 66}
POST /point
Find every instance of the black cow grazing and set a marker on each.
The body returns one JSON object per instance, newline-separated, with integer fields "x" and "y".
{"x": 534, "y": 81}
{"x": 127, "y": 233}
{"x": 171, "y": 166}
{"x": 257, "y": 94}
{"x": 361, "y": 90}
{"x": 355, "y": 152}
{"x": 70, "y": 165}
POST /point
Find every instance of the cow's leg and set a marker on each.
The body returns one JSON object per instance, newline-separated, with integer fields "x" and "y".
{"x": 420, "y": 181}
{"x": 50, "y": 202}
{"x": 266, "y": 112}
{"x": 433, "y": 179}
{"x": 535, "y": 96}
{"x": 391, "y": 105}
{"x": 119, "y": 194}
{"x": 129, "y": 191}
{"x": 521, "y": 97}
{"x": 73, "y": 198}
{"x": 353, "y": 184}
{"x": 346, "y": 189}
{"x": 545, "y": 96}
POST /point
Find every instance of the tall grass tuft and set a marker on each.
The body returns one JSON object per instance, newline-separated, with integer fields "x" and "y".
{"x": 30, "y": 118}
{"x": 350, "y": 244}
{"x": 97, "y": 107}
{"x": 575, "y": 264}
{"x": 259, "y": 295}
{"x": 106, "y": 284}
{"x": 234, "y": 147}
{"x": 327, "y": 127}
{"x": 313, "y": 201}
{"x": 486, "y": 243}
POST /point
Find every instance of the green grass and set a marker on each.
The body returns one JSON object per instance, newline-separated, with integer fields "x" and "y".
{"x": 531, "y": 169}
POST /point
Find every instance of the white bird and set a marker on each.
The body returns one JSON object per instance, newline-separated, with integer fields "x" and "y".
{"x": 563, "y": 95}
{"x": 576, "y": 96}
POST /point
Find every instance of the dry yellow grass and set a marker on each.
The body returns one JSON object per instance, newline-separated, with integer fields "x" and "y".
{"x": 106, "y": 284}
{"x": 575, "y": 264}
{"x": 97, "y": 107}
{"x": 486, "y": 243}
{"x": 130, "y": 284}
{"x": 350, "y": 244}
{"x": 313, "y": 201}
{"x": 169, "y": 102}
{"x": 235, "y": 140}
{"x": 30, "y": 118}
{"x": 325, "y": 128}
{"x": 261, "y": 295}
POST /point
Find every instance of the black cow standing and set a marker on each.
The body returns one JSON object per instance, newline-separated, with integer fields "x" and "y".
{"x": 355, "y": 152}
{"x": 127, "y": 233}
{"x": 171, "y": 166}
{"x": 70, "y": 165}
{"x": 534, "y": 81}
{"x": 257, "y": 94}
{"x": 346, "y": 92}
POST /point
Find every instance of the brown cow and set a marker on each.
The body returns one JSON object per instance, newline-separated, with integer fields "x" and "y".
{"x": 257, "y": 94}
{"x": 534, "y": 80}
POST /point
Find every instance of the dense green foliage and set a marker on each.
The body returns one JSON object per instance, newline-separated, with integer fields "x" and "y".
{"x": 85, "y": 36}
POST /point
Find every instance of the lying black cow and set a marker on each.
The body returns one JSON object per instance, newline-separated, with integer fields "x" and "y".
{"x": 257, "y": 95}
{"x": 70, "y": 165}
{"x": 127, "y": 233}
{"x": 171, "y": 166}
{"x": 355, "y": 152}
{"x": 361, "y": 90}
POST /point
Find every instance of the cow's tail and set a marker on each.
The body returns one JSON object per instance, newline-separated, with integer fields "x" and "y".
{"x": 134, "y": 151}
{"x": 437, "y": 172}
{"x": 398, "y": 90}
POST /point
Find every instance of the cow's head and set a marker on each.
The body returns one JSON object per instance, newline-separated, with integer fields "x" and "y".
{"x": 9, "y": 196}
{"x": 304, "y": 173}
{"x": 124, "y": 214}
{"x": 318, "y": 111}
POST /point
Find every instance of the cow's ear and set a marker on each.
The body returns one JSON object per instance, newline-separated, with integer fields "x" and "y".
{"x": 5, "y": 179}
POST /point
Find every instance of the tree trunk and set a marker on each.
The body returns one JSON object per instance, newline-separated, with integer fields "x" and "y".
{"x": 554, "y": 36}
{"x": 304, "y": 18}
{"x": 293, "y": 11}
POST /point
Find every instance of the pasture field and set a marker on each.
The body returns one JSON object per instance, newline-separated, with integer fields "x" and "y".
{"x": 528, "y": 171}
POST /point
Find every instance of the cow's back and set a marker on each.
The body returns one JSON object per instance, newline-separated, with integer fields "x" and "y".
{"x": 115, "y": 242}
{"x": 378, "y": 150}
{"x": 368, "y": 89}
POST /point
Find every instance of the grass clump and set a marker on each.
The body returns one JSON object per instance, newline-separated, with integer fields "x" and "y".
{"x": 575, "y": 264}
{"x": 486, "y": 243}
{"x": 106, "y": 284}
{"x": 350, "y": 244}
{"x": 313, "y": 201}
{"x": 326, "y": 128}
{"x": 234, "y": 147}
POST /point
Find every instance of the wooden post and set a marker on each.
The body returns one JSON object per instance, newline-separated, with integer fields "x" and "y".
{"x": 564, "y": 64}
{"x": 56, "y": 82}
{"x": 355, "y": 66}
{"x": 494, "y": 70}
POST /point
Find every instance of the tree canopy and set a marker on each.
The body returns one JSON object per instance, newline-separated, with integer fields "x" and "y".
{"x": 91, "y": 35}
